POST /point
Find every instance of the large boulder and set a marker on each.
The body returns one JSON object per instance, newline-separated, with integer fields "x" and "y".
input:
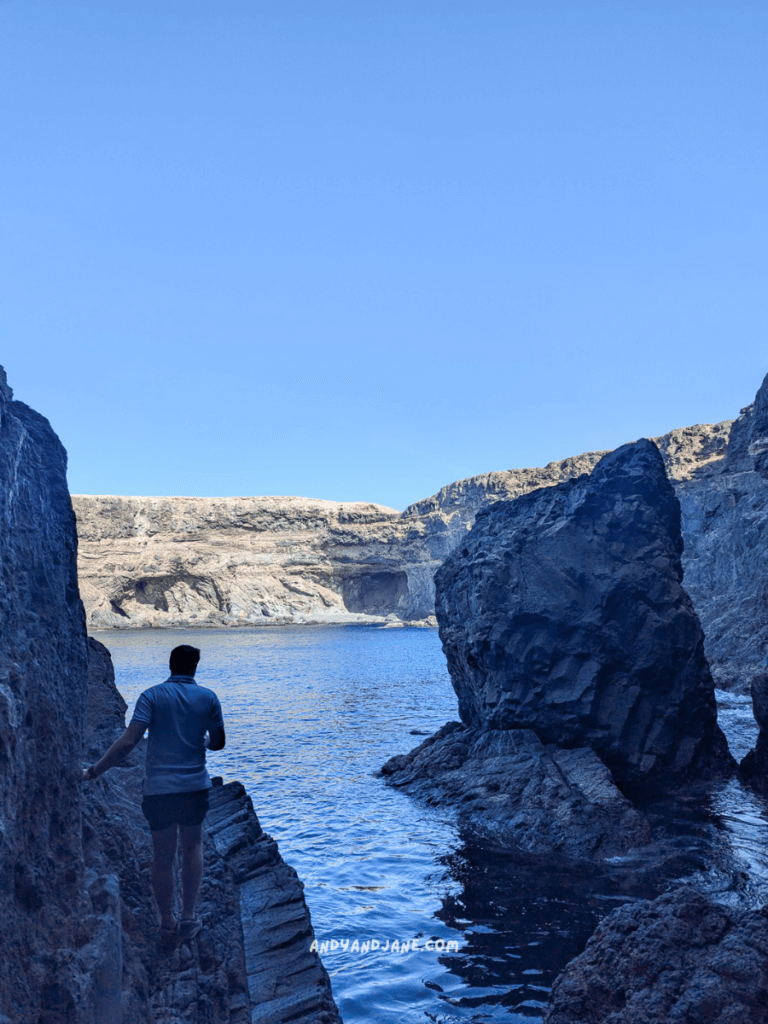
{"x": 564, "y": 612}
{"x": 680, "y": 958}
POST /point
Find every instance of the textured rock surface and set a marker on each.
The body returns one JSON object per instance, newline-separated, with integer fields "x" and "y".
{"x": 679, "y": 958}
{"x": 252, "y": 960}
{"x": 78, "y": 924}
{"x": 234, "y": 561}
{"x": 725, "y": 517}
{"x": 563, "y": 612}
{"x": 509, "y": 783}
{"x": 43, "y": 662}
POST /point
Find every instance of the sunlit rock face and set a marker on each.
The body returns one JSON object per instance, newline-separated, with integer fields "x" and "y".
{"x": 725, "y": 522}
{"x": 564, "y": 612}
{"x": 246, "y": 561}
{"x": 146, "y": 561}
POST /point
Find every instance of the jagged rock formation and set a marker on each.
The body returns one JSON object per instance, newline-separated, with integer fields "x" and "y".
{"x": 572, "y": 646}
{"x": 677, "y": 958}
{"x": 564, "y": 613}
{"x": 545, "y": 798}
{"x": 78, "y": 925}
{"x": 235, "y": 561}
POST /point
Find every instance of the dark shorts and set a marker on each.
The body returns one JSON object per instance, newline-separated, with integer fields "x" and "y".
{"x": 164, "y": 809}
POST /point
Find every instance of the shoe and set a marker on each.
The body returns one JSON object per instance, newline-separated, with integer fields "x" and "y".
{"x": 189, "y": 928}
{"x": 169, "y": 936}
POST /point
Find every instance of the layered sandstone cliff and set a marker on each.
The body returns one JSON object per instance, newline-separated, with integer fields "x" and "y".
{"x": 235, "y": 561}
{"x": 232, "y": 561}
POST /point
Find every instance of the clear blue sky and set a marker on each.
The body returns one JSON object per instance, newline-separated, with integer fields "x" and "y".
{"x": 358, "y": 249}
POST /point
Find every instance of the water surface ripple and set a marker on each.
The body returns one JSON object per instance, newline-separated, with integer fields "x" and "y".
{"x": 311, "y": 713}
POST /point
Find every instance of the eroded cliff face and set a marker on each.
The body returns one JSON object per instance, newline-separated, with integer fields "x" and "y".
{"x": 234, "y": 561}
{"x": 725, "y": 524}
{"x": 238, "y": 561}
{"x": 78, "y": 924}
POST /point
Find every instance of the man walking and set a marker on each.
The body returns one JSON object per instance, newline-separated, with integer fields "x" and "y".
{"x": 178, "y": 714}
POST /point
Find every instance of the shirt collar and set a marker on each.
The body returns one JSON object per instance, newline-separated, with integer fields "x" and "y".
{"x": 173, "y": 678}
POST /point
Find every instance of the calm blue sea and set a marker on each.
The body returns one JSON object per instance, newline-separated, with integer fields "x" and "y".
{"x": 311, "y": 712}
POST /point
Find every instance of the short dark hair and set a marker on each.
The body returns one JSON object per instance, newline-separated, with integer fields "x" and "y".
{"x": 184, "y": 660}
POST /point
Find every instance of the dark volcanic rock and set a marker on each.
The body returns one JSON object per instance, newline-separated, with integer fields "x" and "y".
{"x": 679, "y": 958}
{"x": 725, "y": 520}
{"x": 542, "y": 798}
{"x": 753, "y": 769}
{"x": 564, "y": 613}
{"x": 251, "y": 964}
{"x": 43, "y": 665}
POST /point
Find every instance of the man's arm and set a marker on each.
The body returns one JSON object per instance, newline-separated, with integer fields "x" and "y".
{"x": 216, "y": 738}
{"x": 120, "y": 749}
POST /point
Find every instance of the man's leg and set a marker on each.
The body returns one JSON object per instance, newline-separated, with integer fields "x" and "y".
{"x": 191, "y": 867}
{"x": 164, "y": 842}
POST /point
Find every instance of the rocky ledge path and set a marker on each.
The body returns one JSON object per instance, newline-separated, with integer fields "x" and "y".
{"x": 251, "y": 962}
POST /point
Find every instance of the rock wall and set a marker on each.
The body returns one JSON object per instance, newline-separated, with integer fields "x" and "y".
{"x": 78, "y": 923}
{"x": 578, "y": 663}
{"x": 725, "y": 523}
{"x": 234, "y": 561}
{"x": 44, "y": 895}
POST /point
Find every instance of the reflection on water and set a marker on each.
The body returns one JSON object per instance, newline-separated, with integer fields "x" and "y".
{"x": 312, "y": 712}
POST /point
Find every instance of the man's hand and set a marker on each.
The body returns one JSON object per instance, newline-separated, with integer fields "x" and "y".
{"x": 119, "y": 750}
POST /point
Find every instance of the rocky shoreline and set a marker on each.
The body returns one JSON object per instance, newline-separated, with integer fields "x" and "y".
{"x": 579, "y": 662}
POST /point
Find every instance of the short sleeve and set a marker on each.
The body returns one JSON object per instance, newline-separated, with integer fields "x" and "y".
{"x": 216, "y": 720}
{"x": 142, "y": 713}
